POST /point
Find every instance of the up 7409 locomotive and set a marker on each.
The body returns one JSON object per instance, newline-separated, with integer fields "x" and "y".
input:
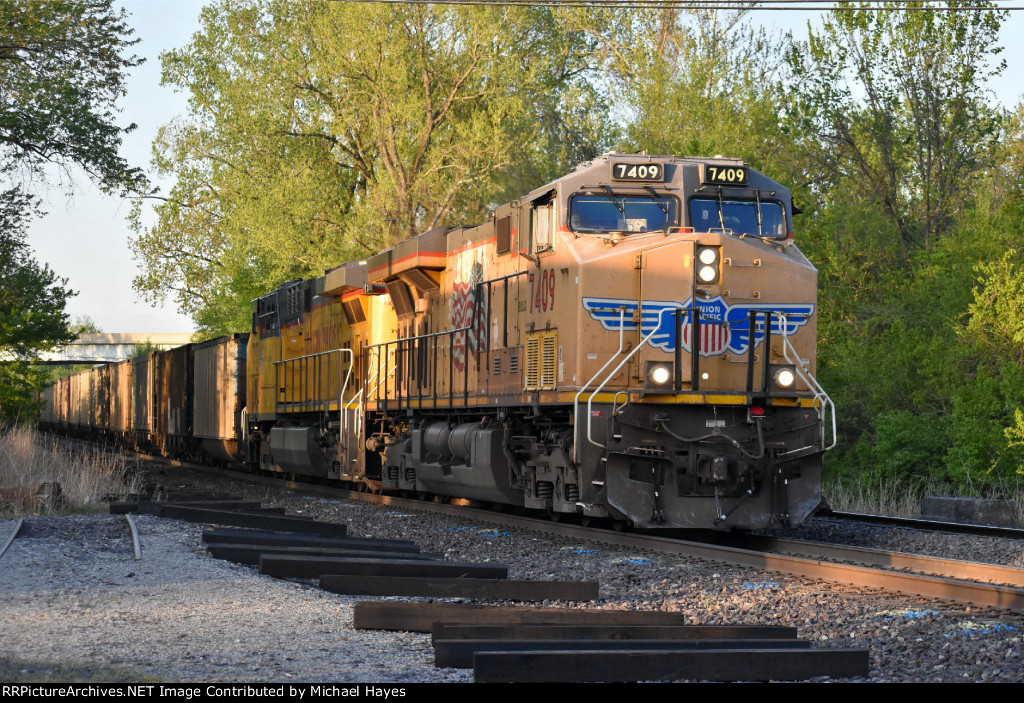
{"x": 633, "y": 341}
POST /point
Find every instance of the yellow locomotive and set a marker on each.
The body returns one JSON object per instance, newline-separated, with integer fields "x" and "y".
{"x": 633, "y": 341}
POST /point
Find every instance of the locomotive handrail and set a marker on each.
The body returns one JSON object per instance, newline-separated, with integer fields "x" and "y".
{"x": 483, "y": 290}
{"x": 576, "y": 401}
{"x": 358, "y": 399}
{"x": 343, "y": 424}
{"x": 341, "y": 353}
{"x": 643, "y": 342}
{"x": 821, "y": 398}
{"x": 429, "y": 335}
{"x": 387, "y": 362}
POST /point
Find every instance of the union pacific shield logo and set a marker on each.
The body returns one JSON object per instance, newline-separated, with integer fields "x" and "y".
{"x": 722, "y": 327}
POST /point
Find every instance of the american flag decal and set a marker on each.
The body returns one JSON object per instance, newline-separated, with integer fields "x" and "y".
{"x": 723, "y": 327}
{"x": 463, "y": 302}
{"x": 714, "y": 338}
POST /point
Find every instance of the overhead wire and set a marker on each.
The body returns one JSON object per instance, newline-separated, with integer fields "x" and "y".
{"x": 762, "y": 5}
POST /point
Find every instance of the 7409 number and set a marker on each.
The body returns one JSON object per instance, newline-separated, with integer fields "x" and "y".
{"x": 637, "y": 172}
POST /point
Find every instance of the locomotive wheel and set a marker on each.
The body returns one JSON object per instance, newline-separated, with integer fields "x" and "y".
{"x": 554, "y": 515}
{"x": 620, "y": 525}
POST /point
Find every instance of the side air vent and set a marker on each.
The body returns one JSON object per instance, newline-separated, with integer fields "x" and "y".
{"x": 542, "y": 361}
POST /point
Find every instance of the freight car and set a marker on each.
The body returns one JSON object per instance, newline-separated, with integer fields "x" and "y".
{"x": 635, "y": 341}
{"x": 185, "y": 403}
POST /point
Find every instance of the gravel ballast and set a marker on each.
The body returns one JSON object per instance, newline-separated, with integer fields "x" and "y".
{"x": 77, "y": 606}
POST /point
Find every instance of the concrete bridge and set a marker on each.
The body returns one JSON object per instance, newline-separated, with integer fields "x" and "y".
{"x": 103, "y": 346}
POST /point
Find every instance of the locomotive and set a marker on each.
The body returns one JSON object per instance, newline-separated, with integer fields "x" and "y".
{"x": 635, "y": 341}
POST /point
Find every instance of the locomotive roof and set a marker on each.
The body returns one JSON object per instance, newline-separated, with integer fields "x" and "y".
{"x": 593, "y": 173}
{"x": 596, "y": 172}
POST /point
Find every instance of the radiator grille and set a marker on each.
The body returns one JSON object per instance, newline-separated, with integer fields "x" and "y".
{"x": 542, "y": 361}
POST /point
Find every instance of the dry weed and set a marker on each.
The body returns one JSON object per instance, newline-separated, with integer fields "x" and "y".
{"x": 903, "y": 498}
{"x": 856, "y": 495}
{"x": 32, "y": 465}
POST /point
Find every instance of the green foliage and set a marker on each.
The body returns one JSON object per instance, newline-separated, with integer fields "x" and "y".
{"x": 915, "y": 190}
{"x": 895, "y": 103}
{"x": 32, "y": 316}
{"x": 996, "y": 324}
{"x": 62, "y": 69}
{"x": 143, "y": 349}
{"x": 321, "y": 132}
{"x": 694, "y": 82}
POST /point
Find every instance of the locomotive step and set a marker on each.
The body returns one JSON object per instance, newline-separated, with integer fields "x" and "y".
{"x": 494, "y": 589}
{"x": 420, "y": 617}
{"x": 313, "y": 567}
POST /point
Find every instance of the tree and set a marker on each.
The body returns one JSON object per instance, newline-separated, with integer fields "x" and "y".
{"x": 895, "y": 104}
{"x": 693, "y": 82}
{"x": 898, "y": 142}
{"x": 320, "y": 132}
{"x": 32, "y": 317}
{"x": 61, "y": 71}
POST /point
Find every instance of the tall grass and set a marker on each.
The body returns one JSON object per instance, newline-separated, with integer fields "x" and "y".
{"x": 874, "y": 496}
{"x": 86, "y": 475}
{"x": 902, "y": 498}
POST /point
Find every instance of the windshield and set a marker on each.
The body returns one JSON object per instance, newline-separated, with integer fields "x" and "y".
{"x": 622, "y": 213}
{"x": 740, "y": 216}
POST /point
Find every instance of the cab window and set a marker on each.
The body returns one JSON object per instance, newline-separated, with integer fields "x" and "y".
{"x": 760, "y": 219}
{"x": 609, "y": 212}
{"x": 542, "y": 227}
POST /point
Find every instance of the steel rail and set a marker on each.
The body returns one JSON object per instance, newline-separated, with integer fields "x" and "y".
{"x": 14, "y": 533}
{"x": 946, "y": 588}
{"x": 931, "y": 525}
{"x": 920, "y": 563}
{"x": 939, "y": 587}
{"x": 136, "y": 542}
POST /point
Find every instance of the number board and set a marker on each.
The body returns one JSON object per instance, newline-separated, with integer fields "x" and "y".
{"x": 724, "y": 175}
{"x": 638, "y": 172}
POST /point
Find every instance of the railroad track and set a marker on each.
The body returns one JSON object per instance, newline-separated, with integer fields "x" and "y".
{"x": 890, "y": 560}
{"x": 9, "y": 538}
{"x": 929, "y": 525}
{"x": 953, "y": 588}
{"x": 16, "y": 529}
{"x": 975, "y": 583}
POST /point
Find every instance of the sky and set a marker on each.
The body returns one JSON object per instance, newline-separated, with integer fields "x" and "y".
{"x": 85, "y": 239}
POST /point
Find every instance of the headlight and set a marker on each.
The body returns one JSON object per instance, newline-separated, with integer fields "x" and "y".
{"x": 784, "y": 377}
{"x": 707, "y": 255}
{"x": 707, "y": 271}
{"x": 707, "y": 274}
{"x": 659, "y": 374}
